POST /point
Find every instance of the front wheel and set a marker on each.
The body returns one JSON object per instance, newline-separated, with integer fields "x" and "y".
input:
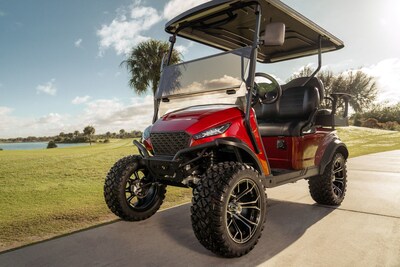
{"x": 330, "y": 187}
{"x": 229, "y": 209}
{"x": 130, "y": 192}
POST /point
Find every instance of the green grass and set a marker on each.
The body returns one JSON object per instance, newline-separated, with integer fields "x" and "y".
{"x": 45, "y": 193}
{"x": 362, "y": 141}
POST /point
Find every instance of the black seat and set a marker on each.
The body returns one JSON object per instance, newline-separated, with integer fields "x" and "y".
{"x": 293, "y": 114}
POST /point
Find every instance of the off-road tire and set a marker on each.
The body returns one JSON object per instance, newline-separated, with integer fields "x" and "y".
{"x": 115, "y": 191}
{"x": 210, "y": 208}
{"x": 330, "y": 187}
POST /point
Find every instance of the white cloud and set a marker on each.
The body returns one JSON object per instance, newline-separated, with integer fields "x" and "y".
{"x": 104, "y": 114}
{"x": 176, "y": 7}
{"x": 4, "y": 111}
{"x": 12, "y": 126}
{"x": 387, "y": 74}
{"x": 181, "y": 49}
{"x": 184, "y": 49}
{"x": 126, "y": 30}
{"x": 80, "y": 100}
{"x": 78, "y": 43}
{"x": 51, "y": 118}
{"x": 113, "y": 114}
{"x": 47, "y": 88}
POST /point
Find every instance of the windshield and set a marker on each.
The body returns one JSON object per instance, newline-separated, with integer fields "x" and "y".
{"x": 218, "y": 79}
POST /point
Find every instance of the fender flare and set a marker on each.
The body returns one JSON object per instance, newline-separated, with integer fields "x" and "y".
{"x": 232, "y": 142}
{"x": 332, "y": 148}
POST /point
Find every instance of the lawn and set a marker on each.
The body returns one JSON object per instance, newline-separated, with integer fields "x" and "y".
{"x": 362, "y": 141}
{"x": 45, "y": 193}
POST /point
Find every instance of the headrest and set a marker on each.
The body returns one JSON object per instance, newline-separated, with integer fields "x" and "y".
{"x": 314, "y": 82}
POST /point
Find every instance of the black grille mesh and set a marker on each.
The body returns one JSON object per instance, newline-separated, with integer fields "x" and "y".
{"x": 169, "y": 143}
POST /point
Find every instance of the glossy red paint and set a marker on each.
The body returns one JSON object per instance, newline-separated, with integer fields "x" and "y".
{"x": 330, "y": 136}
{"x": 194, "y": 120}
{"x": 300, "y": 152}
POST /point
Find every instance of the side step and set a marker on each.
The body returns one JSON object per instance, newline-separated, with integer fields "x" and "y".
{"x": 280, "y": 178}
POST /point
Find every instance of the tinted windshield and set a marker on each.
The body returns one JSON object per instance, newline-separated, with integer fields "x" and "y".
{"x": 217, "y": 79}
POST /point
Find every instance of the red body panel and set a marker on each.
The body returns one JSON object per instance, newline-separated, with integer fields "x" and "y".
{"x": 301, "y": 152}
{"x": 194, "y": 120}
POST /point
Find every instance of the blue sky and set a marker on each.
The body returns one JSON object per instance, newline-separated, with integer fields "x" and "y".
{"x": 60, "y": 60}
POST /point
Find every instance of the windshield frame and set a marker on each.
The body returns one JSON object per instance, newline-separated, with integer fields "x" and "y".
{"x": 244, "y": 53}
{"x": 250, "y": 78}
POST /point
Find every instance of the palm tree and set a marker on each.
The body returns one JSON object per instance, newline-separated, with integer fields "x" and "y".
{"x": 89, "y": 131}
{"x": 144, "y": 64}
{"x": 360, "y": 85}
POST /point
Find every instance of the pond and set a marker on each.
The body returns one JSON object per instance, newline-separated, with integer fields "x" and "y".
{"x": 34, "y": 145}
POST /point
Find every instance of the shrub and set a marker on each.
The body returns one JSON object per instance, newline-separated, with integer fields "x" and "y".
{"x": 391, "y": 125}
{"x": 371, "y": 123}
{"x": 51, "y": 144}
{"x": 1, "y": 149}
{"x": 106, "y": 141}
{"x": 383, "y": 112}
{"x": 357, "y": 120}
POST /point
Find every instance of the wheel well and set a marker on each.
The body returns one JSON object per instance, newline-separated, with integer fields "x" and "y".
{"x": 238, "y": 154}
{"x": 343, "y": 150}
{"x": 334, "y": 147}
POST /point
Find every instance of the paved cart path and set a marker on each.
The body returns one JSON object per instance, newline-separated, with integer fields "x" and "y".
{"x": 363, "y": 231}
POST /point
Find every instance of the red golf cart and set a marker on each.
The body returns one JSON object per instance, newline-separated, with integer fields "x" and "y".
{"x": 229, "y": 132}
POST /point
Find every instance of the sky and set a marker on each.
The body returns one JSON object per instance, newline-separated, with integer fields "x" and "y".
{"x": 60, "y": 61}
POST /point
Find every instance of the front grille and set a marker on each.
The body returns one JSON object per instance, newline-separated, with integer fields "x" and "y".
{"x": 169, "y": 143}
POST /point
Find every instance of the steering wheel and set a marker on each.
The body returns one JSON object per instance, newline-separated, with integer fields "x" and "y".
{"x": 267, "y": 88}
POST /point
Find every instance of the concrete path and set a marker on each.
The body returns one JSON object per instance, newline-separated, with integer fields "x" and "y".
{"x": 363, "y": 231}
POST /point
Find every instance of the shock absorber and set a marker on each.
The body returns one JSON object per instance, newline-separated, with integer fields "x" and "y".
{"x": 212, "y": 158}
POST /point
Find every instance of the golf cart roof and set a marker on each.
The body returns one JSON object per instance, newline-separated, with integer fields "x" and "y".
{"x": 230, "y": 24}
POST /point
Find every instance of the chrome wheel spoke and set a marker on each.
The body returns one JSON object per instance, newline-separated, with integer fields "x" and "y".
{"x": 243, "y": 211}
{"x": 250, "y": 204}
{"x": 238, "y": 231}
{"x": 248, "y": 190}
{"x": 337, "y": 190}
{"x": 245, "y": 221}
{"x": 339, "y": 181}
{"x": 340, "y": 169}
{"x": 139, "y": 192}
{"x": 130, "y": 198}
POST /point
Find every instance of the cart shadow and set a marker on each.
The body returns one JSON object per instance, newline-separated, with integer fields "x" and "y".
{"x": 286, "y": 223}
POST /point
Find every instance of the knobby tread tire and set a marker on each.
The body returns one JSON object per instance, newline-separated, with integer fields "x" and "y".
{"x": 208, "y": 209}
{"x": 114, "y": 191}
{"x": 320, "y": 187}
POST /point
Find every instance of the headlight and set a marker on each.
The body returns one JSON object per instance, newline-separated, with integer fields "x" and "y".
{"x": 213, "y": 131}
{"x": 146, "y": 133}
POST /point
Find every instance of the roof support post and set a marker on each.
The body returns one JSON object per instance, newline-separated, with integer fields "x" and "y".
{"x": 250, "y": 78}
{"x": 319, "y": 61}
{"x": 172, "y": 40}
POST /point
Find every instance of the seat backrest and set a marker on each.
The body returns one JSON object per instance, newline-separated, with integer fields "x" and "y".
{"x": 314, "y": 82}
{"x": 295, "y": 103}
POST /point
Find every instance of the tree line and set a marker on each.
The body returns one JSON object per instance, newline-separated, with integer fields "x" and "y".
{"x": 86, "y": 136}
{"x": 144, "y": 61}
{"x": 366, "y": 111}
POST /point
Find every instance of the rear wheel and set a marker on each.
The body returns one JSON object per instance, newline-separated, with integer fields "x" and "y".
{"x": 129, "y": 191}
{"x": 330, "y": 187}
{"x": 228, "y": 210}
